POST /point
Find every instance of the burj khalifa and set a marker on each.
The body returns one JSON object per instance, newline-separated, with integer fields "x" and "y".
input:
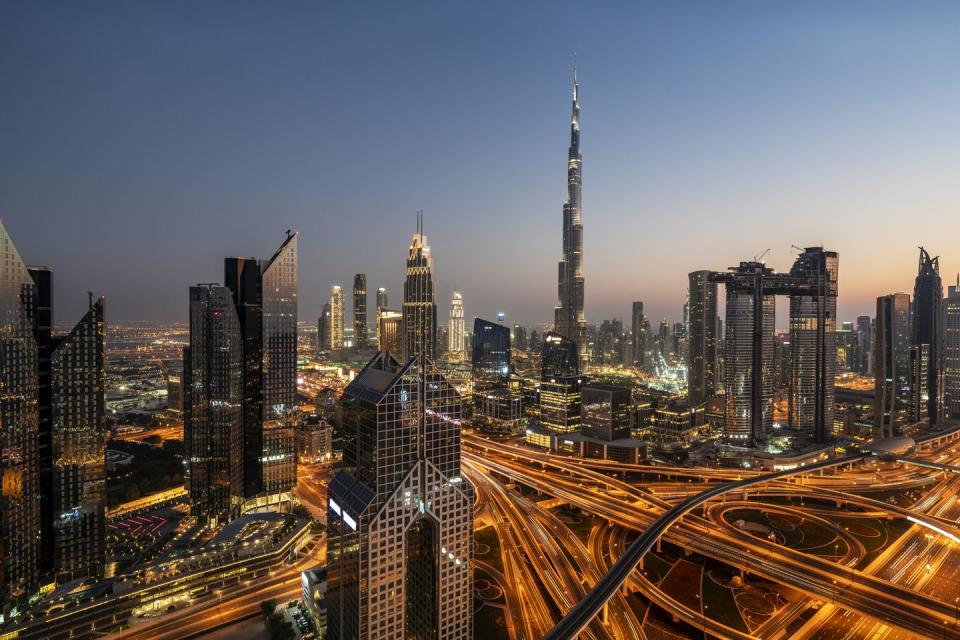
{"x": 569, "y": 320}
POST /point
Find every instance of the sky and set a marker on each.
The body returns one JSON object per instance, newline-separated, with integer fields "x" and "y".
{"x": 141, "y": 142}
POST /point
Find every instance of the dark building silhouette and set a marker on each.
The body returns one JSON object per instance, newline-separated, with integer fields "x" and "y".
{"x": 360, "y": 311}
{"x": 702, "y": 341}
{"x": 605, "y": 411}
{"x": 927, "y": 329}
{"x": 891, "y": 364}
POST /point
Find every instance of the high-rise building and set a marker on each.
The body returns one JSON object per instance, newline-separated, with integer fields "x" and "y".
{"x": 891, "y": 364}
{"x": 560, "y": 384}
{"x": 391, "y": 331}
{"x": 927, "y": 329}
{"x": 213, "y": 370}
{"x": 951, "y": 351}
{"x": 360, "y": 311}
{"x": 323, "y": 328}
{"x": 864, "y": 344}
{"x": 605, "y": 411}
{"x": 519, "y": 336}
{"x": 336, "y": 318}
{"x": 813, "y": 358}
{"x": 748, "y": 355}
{"x": 569, "y": 320}
{"x": 381, "y": 298}
{"x": 419, "y": 305}
{"x": 400, "y": 514}
{"x": 19, "y": 432}
{"x": 264, "y": 294}
{"x": 491, "y": 355}
{"x": 702, "y": 339}
{"x": 456, "y": 336}
{"x": 279, "y": 281}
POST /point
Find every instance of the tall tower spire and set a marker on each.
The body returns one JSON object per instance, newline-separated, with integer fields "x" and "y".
{"x": 569, "y": 319}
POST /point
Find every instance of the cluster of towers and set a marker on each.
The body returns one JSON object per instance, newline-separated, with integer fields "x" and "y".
{"x": 52, "y": 434}
{"x": 748, "y": 381}
{"x": 240, "y": 386}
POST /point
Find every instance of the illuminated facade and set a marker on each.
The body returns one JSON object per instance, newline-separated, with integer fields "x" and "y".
{"x": 336, "y": 318}
{"x": 391, "y": 331}
{"x": 323, "y": 328}
{"x": 560, "y": 383}
{"x": 494, "y": 402}
{"x": 400, "y": 514}
{"x": 927, "y": 329}
{"x": 360, "y": 311}
{"x": 213, "y": 404}
{"x": 891, "y": 364}
{"x": 569, "y": 320}
{"x": 639, "y": 331}
{"x": 605, "y": 411}
{"x": 19, "y": 420}
{"x": 456, "y": 335}
{"x": 813, "y": 358}
{"x": 78, "y": 438}
{"x": 951, "y": 351}
{"x": 419, "y": 305}
{"x": 702, "y": 340}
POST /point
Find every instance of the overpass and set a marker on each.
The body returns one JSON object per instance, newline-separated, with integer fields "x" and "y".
{"x": 577, "y": 619}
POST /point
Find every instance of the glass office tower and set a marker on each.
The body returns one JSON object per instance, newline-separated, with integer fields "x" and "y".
{"x": 400, "y": 514}
{"x": 360, "y": 311}
{"x": 702, "y": 340}
{"x": 419, "y": 305}
{"x": 927, "y": 329}
{"x": 891, "y": 364}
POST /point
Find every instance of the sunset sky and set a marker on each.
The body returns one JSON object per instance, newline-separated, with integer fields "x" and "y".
{"x": 141, "y": 143}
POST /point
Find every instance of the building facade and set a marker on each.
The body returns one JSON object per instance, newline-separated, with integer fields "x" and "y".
{"x": 456, "y": 343}
{"x": 569, "y": 319}
{"x": 605, "y": 411}
{"x": 336, "y": 318}
{"x": 391, "y": 331}
{"x": 927, "y": 329}
{"x": 360, "y": 311}
{"x": 702, "y": 338}
{"x": 951, "y": 351}
{"x": 400, "y": 515}
{"x": 419, "y": 304}
{"x": 891, "y": 364}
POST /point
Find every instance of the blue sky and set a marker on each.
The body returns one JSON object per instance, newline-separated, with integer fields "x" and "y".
{"x": 140, "y": 142}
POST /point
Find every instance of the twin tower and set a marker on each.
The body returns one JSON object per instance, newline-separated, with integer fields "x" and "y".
{"x": 749, "y": 362}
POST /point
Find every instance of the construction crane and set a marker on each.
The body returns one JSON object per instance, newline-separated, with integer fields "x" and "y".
{"x": 760, "y": 257}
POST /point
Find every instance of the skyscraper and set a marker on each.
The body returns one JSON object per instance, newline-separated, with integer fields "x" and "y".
{"x": 381, "y": 298}
{"x": 419, "y": 305}
{"x": 951, "y": 352}
{"x": 865, "y": 344}
{"x": 560, "y": 384}
{"x": 813, "y": 358}
{"x": 569, "y": 319}
{"x": 638, "y": 328}
{"x": 748, "y": 355}
{"x": 213, "y": 372}
{"x": 400, "y": 514}
{"x": 491, "y": 355}
{"x": 702, "y": 341}
{"x": 264, "y": 294}
{"x": 391, "y": 331}
{"x": 336, "y": 318}
{"x": 927, "y": 330}
{"x": 891, "y": 364}
{"x": 323, "y": 328}
{"x": 456, "y": 344}
{"x": 19, "y": 418}
{"x": 360, "y": 311}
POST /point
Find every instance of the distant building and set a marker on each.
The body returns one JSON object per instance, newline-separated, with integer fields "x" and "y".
{"x": 605, "y": 411}
{"x": 702, "y": 341}
{"x": 324, "y": 327}
{"x": 175, "y": 392}
{"x": 400, "y": 514}
{"x": 519, "y": 337}
{"x": 419, "y": 305}
{"x": 494, "y": 403}
{"x": 865, "y": 344}
{"x": 336, "y": 319}
{"x": 360, "y": 311}
{"x": 891, "y": 364}
{"x": 560, "y": 384}
{"x": 927, "y": 329}
{"x": 951, "y": 351}
{"x": 639, "y": 332}
{"x": 314, "y": 442}
{"x": 391, "y": 331}
{"x": 456, "y": 343}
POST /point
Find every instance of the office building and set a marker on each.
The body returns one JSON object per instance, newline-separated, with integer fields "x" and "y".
{"x": 19, "y": 432}
{"x": 702, "y": 340}
{"x": 864, "y": 329}
{"x": 927, "y": 329}
{"x": 519, "y": 337}
{"x": 494, "y": 403}
{"x": 560, "y": 384}
{"x": 323, "y": 329}
{"x": 456, "y": 344}
{"x": 569, "y": 320}
{"x": 419, "y": 305}
{"x": 813, "y": 358}
{"x": 400, "y": 514}
{"x": 381, "y": 298}
{"x": 336, "y": 318}
{"x": 605, "y": 411}
{"x": 360, "y": 311}
{"x": 891, "y": 364}
{"x": 214, "y": 380}
{"x": 951, "y": 351}
{"x": 391, "y": 331}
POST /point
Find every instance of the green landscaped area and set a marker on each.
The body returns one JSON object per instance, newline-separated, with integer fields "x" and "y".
{"x": 718, "y": 600}
{"x": 489, "y": 622}
{"x": 487, "y": 546}
{"x": 803, "y": 535}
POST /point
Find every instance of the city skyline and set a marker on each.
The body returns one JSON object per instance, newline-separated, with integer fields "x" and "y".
{"x": 674, "y": 156}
